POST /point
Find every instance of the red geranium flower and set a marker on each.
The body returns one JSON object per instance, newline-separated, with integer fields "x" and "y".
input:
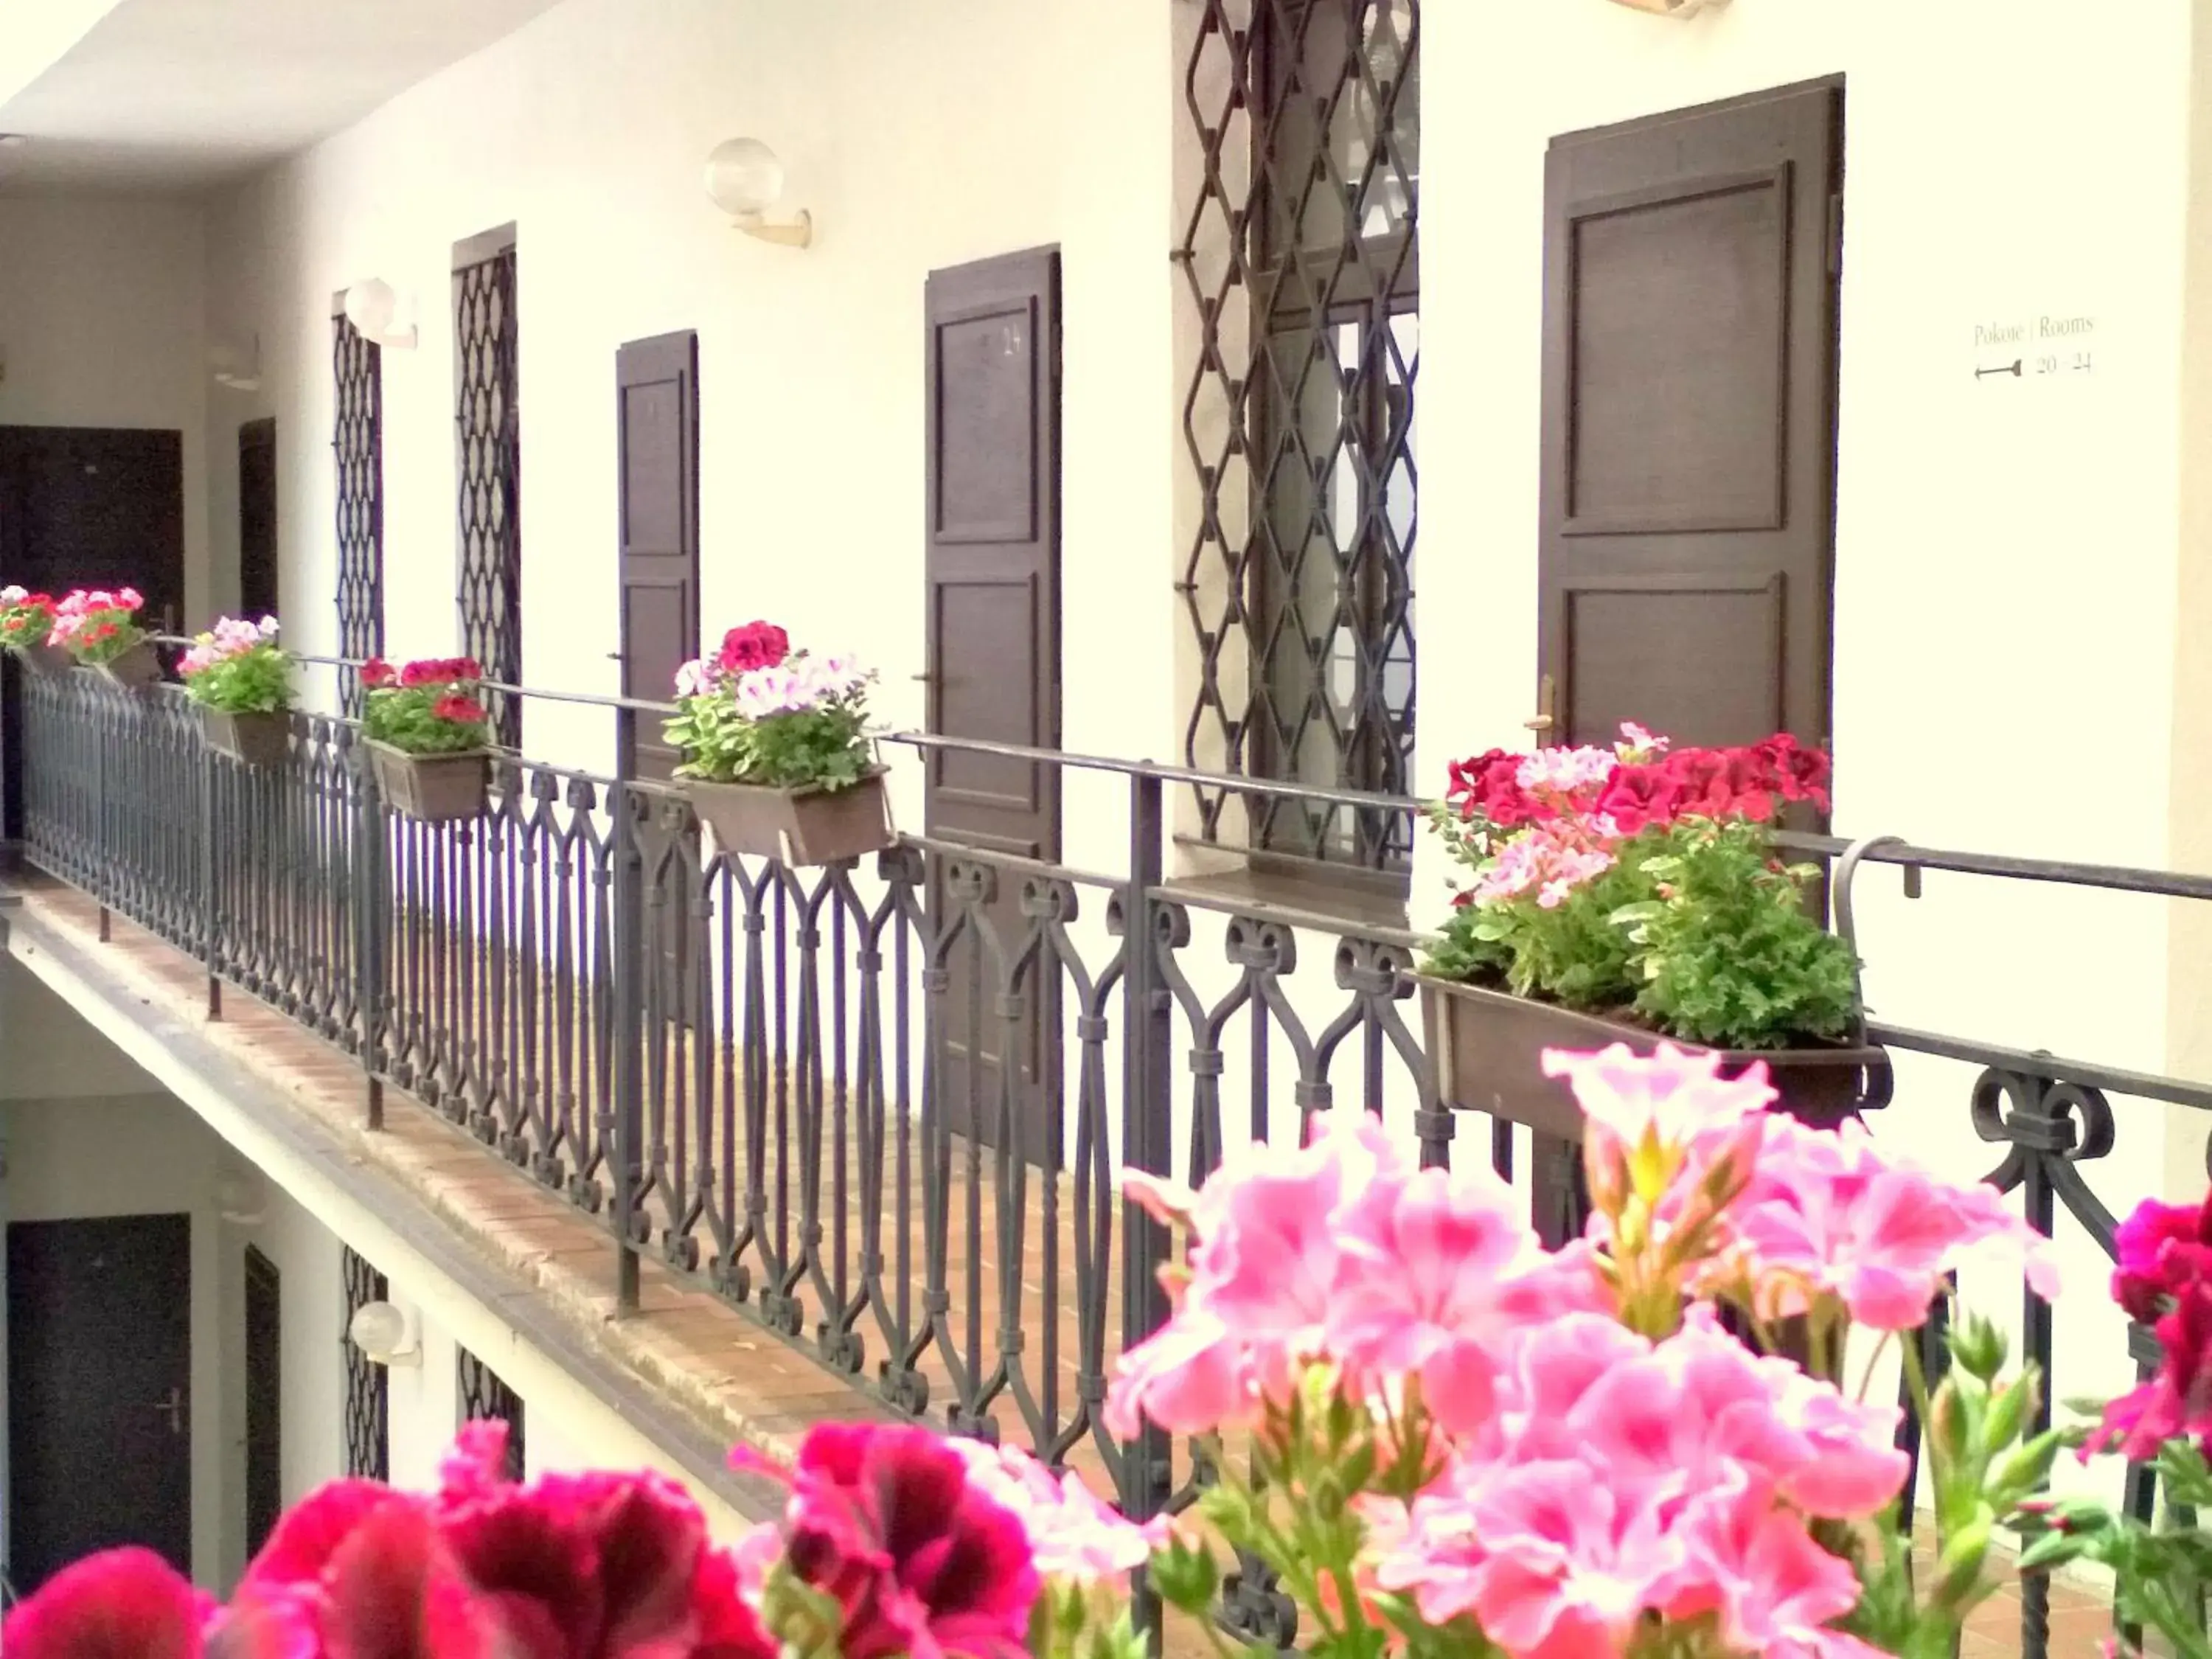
{"x": 756, "y": 645}
{"x": 376, "y": 673}
{"x": 1490, "y": 785}
{"x": 462, "y": 711}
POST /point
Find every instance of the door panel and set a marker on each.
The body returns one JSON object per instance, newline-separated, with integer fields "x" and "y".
{"x": 98, "y": 1391}
{"x": 82, "y": 505}
{"x": 657, "y": 423}
{"x": 93, "y": 507}
{"x": 265, "y": 1399}
{"x": 1689, "y": 421}
{"x": 256, "y": 518}
{"x": 992, "y": 610}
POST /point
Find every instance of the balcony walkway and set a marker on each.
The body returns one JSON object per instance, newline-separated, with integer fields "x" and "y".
{"x": 718, "y": 1366}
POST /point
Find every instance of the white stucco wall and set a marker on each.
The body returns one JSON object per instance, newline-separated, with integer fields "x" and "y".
{"x": 921, "y": 135}
{"x": 2006, "y": 553}
{"x": 103, "y": 324}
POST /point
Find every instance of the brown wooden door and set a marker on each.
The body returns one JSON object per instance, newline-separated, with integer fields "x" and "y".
{"x": 1689, "y": 421}
{"x": 99, "y": 1406}
{"x": 256, "y": 518}
{"x": 81, "y": 507}
{"x": 993, "y": 605}
{"x": 657, "y": 425}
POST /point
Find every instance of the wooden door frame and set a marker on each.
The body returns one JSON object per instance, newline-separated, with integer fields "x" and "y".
{"x": 1051, "y": 664}
{"x": 625, "y": 758}
{"x": 1555, "y": 440}
{"x": 1048, "y": 532}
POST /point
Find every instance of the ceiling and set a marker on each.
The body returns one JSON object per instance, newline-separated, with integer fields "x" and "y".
{"x": 159, "y": 97}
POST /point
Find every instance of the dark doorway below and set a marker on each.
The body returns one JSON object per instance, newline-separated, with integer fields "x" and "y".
{"x": 98, "y": 1391}
{"x": 264, "y": 1397}
{"x": 256, "y": 518}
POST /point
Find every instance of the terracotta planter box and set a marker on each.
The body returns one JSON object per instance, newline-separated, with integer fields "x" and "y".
{"x": 800, "y": 827}
{"x": 49, "y": 661}
{"x": 432, "y": 788}
{"x": 252, "y": 739}
{"x": 135, "y": 670}
{"x": 1488, "y": 1047}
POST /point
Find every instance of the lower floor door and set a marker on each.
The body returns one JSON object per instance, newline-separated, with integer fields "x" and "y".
{"x": 98, "y": 1391}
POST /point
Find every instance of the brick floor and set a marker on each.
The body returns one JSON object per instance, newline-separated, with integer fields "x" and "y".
{"x": 711, "y": 1359}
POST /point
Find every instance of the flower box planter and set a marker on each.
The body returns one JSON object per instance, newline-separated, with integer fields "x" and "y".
{"x": 432, "y": 788}
{"x": 1487, "y": 1047}
{"x": 251, "y": 739}
{"x": 135, "y": 670}
{"x": 51, "y": 662}
{"x": 800, "y": 827}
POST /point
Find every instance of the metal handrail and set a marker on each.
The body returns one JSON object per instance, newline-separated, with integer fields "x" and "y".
{"x": 1888, "y": 849}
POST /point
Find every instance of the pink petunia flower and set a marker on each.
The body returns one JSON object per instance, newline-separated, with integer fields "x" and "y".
{"x": 1441, "y": 1273}
{"x": 1074, "y": 1535}
{"x": 1649, "y": 1118}
{"x": 1830, "y": 1213}
{"x": 1551, "y": 1563}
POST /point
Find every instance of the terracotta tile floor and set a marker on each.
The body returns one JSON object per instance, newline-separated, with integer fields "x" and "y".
{"x": 715, "y": 1362}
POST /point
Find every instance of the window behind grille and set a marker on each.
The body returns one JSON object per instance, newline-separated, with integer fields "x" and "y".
{"x": 1302, "y": 257}
{"x": 357, "y": 445}
{"x": 488, "y": 425}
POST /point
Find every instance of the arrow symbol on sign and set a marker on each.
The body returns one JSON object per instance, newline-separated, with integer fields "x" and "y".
{"x": 2012, "y": 368}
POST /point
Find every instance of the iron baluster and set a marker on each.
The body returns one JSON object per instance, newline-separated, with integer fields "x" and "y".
{"x": 1147, "y": 1089}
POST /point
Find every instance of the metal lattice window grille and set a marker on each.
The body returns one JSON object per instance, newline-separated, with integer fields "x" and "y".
{"x": 367, "y": 1410}
{"x": 1301, "y": 255}
{"x": 357, "y": 443}
{"x": 484, "y": 1395}
{"x": 488, "y": 419}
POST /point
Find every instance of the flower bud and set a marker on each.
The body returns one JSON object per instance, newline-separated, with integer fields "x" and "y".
{"x": 1186, "y": 1578}
{"x": 1960, "y": 1567}
{"x": 1979, "y": 1347}
{"x": 2009, "y": 1409}
{"x": 1949, "y": 1427}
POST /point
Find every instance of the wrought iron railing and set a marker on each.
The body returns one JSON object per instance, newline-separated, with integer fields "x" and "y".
{"x": 790, "y": 1085}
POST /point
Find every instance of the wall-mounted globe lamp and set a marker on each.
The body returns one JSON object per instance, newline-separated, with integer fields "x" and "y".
{"x": 746, "y": 179}
{"x": 385, "y": 1334}
{"x": 375, "y": 309}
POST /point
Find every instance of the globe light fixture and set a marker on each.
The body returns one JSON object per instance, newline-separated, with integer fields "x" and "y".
{"x": 372, "y": 307}
{"x": 744, "y": 178}
{"x": 385, "y": 1334}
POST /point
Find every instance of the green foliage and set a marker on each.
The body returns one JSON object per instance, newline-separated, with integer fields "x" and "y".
{"x": 821, "y": 748}
{"x": 1727, "y": 953}
{"x": 1698, "y": 930}
{"x": 255, "y": 682}
{"x": 90, "y": 646}
{"x": 1575, "y": 954}
{"x": 1983, "y": 1465}
{"x": 2162, "y": 1576}
{"x": 408, "y": 718}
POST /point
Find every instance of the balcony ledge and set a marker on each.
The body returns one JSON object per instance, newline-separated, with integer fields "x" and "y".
{"x": 429, "y": 1204}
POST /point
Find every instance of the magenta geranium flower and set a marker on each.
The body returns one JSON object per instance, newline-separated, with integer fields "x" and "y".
{"x": 125, "y": 1604}
{"x": 2163, "y": 1251}
{"x": 884, "y": 1521}
{"x": 2178, "y": 1399}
